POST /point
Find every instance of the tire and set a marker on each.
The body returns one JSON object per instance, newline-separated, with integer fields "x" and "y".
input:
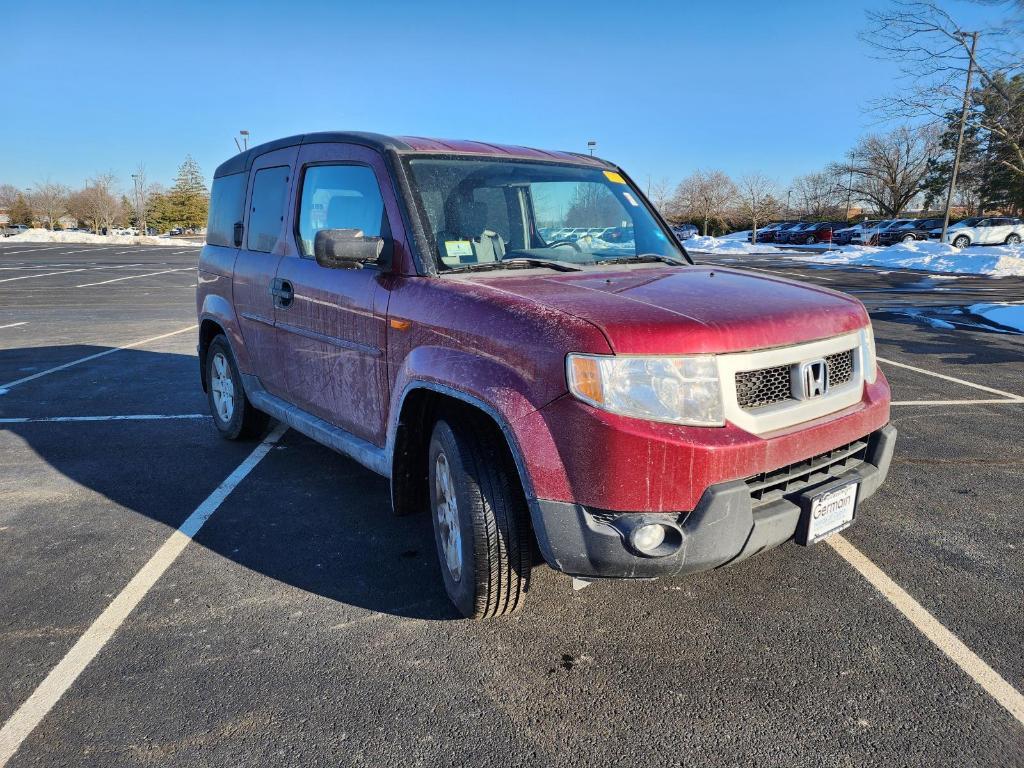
{"x": 961, "y": 241}
{"x": 233, "y": 414}
{"x": 481, "y": 528}
{"x": 811, "y": 240}
{"x": 1013, "y": 239}
{"x": 908, "y": 238}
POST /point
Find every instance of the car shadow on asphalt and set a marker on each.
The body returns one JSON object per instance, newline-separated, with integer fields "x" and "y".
{"x": 306, "y": 516}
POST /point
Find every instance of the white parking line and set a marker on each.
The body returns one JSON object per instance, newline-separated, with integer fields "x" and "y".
{"x": 13, "y": 325}
{"x": 790, "y": 275}
{"x": 132, "y": 277}
{"x": 955, "y": 380}
{"x": 35, "y": 708}
{"x": 5, "y": 387}
{"x": 126, "y": 417}
{"x": 1008, "y": 697}
{"x": 1001, "y": 401}
{"x": 44, "y": 274}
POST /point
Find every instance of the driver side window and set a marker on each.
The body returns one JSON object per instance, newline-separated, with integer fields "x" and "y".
{"x": 339, "y": 197}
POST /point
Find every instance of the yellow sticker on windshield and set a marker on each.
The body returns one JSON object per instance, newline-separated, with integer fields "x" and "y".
{"x": 614, "y": 177}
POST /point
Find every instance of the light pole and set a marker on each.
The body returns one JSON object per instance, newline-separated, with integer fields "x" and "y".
{"x": 960, "y": 137}
{"x": 244, "y": 143}
{"x": 140, "y": 211}
{"x": 591, "y": 146}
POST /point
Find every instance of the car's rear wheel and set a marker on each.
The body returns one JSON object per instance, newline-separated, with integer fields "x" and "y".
{"x": 480, "y": 519}
{"x": 961, "y": 241}
{"x": 1013, "y": 239}
{"x": 233, "y": 414}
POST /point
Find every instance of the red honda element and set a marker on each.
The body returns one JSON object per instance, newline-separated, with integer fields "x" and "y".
{"x": 412, "y": 304}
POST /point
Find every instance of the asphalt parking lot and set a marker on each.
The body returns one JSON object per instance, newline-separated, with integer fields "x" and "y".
{"x": 305, "y": 625}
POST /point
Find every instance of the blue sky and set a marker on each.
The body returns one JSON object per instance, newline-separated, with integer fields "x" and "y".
{"x": 664, "y": 88}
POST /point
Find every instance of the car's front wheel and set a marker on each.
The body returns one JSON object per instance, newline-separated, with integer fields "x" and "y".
{"x": 962, "y": 241}
{"x": 480, "y": 519}
{"x": 811, "y": 240}
{"x": 1013, "y": 239}
{"x": 233, "y": 414}
{"x": 907, "y": 238}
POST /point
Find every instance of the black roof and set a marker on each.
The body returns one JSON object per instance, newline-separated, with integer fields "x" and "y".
{"x": 243, "y": 160}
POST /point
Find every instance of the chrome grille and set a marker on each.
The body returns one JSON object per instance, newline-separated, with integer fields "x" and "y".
{"x": 755, "y": 389}
{"x": 792, "y": 478}
{"x": 840, "y": 368}
{"x": 767, "y": 386}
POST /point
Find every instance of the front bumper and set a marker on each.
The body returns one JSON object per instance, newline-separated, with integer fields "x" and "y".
{"x": 726, "y": 526}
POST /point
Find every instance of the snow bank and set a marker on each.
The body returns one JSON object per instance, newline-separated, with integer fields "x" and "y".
{"x": 736, "y": 235}
{"x": 997, "y": 260}
{"x": 708, "y": 244}
{"x": 88, "y": 238}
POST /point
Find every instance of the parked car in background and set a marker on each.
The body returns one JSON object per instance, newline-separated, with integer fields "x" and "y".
{"x": 793, "y": 234}
{"x": 14, "y": 229}
{"x": 845, "y": 235}
{"x": 766, "y": 234}
{"x": 685, "y": 231}
{"x": 776, "y": 235}
{"x": 970, "y": 221}
{"x": 869, "y": 235}
{"x": 626, "y": 412}
{"x": 918, "y": 229}
{"x": 992, "y": 230}
{"x": 818, "y": 232}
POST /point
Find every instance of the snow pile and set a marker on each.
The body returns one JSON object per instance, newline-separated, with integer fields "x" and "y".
{"x": 708, "y": 244}
{"x": 736, "y": 235}
{"x": 88, "y": 238}
{"x": 998, "y": 261}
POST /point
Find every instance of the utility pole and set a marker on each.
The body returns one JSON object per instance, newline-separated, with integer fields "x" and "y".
{"x": 960, "y": 138}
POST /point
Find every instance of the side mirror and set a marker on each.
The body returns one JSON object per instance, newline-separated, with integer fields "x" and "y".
{"x": 238, "y": 234}
{"x": 346, "y": 248}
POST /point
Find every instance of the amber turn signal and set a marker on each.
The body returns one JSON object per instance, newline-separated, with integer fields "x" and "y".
{"x": 585, "y": 379}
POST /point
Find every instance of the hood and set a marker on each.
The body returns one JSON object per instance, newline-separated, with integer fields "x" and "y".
{"x": 691, "y": 310}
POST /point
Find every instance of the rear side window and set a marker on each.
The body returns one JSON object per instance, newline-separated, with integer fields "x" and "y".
{"x": 269, "y": 198}
{"x": 227, "y": 203}
{"x": 339, "y": 197}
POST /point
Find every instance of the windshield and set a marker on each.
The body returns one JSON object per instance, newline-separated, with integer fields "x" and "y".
{"x": 480, "y": 212}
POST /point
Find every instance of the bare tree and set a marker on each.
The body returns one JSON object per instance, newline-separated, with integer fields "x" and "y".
{"x": 49, "y": 201}
{"x": 140, "y": 195}
{"x": 934, "y": 54}
{"x": 703, "y": 196}
{"x": 8, "y": 196}
{"x": 659, "y": 192}
{"x": 818, "y": 195}
{"x": 889, "y": 170}
{"x": 757, "y": 200}
{"x": 97, "y": 203}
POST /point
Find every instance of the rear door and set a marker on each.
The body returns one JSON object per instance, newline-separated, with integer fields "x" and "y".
{"x": 256, "y": 266}
{"x": 332, "y": 333}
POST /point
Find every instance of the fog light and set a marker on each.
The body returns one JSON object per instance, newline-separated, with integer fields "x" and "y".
{"x": 648, "y": 538}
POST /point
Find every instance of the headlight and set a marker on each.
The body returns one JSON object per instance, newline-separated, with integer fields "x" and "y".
{"x": 867, "y": 345}
{"x": 678, "y": 390}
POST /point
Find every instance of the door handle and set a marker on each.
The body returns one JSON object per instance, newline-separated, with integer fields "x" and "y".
{"x": 282, "y": 291}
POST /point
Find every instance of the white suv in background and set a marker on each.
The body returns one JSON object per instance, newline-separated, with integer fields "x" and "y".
{"x": 995, "y": 230}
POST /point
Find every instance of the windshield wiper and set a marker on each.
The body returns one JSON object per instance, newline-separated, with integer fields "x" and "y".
{"x": 516, "y": 263}
{"x": 644, "y": 258}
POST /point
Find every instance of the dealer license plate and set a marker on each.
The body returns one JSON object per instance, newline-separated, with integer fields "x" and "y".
{"x": 831, "y": 512}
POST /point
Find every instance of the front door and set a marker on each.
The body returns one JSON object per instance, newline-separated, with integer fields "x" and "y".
{"x": 256, "y": 265}
{"x": 331, "y": 333}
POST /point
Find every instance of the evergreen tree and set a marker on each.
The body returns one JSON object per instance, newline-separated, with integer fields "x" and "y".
{"x": 160, "y": 213}
{"x": 189, "y": 198}
{"x": 21, "y": 211}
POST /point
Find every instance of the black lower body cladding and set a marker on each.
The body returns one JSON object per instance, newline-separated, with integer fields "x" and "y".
{"x": 726, "y": 526}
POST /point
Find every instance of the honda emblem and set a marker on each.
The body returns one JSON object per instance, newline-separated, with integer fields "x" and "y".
{"x": 811, "y": 379}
